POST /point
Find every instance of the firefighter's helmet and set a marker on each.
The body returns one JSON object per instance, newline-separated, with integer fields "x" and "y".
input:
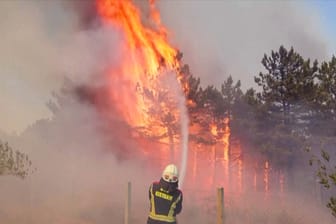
{"x": 170, "y": 174}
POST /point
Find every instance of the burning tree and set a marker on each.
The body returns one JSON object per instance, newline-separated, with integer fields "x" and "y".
{"x": 153, "y": 68}
{"x": 164, "y": 115}
{"x": 149, "y": 68}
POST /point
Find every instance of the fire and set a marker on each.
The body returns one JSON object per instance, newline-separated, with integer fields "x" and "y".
{"x": 213, "y": 129}
{"x": 136, "y": 91}
{"x": 226, "y": 138}
{"x": 146, "y": 52}
{"x": 266, "y": 177}
{"x": 149, "y": 46}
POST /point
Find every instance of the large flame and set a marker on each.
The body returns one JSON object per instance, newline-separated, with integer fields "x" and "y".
{"x": 146, "y": 53}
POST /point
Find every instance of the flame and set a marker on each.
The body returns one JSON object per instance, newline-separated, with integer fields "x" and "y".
{"x": 226, "y": 138}
{"x": 213, "y": 129}
{"x": 146, "y": 52}
{"x": 266, "y": 177}
{"x": 149, "y": 47}
{"x": 135, "y": 89}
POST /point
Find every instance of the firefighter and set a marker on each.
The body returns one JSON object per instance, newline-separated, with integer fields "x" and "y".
{"x": 165, "y": 198}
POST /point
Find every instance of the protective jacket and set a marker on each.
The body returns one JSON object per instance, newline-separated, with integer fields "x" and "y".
{"x": 165, "y": 202}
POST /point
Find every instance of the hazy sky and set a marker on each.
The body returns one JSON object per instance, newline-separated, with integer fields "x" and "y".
{"x": 326, "y": 10}
{"x": 222, "y": 38}
{"x": 41, "y": 43}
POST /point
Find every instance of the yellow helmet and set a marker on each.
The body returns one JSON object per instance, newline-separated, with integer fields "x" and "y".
{"x": 170, "y": 173}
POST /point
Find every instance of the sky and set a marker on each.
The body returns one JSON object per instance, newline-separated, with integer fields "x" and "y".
{"x": 326, "y": 10}
{"x": 41, "y": 43}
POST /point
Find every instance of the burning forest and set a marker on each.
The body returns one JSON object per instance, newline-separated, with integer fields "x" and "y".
{"x": 135, "y": 105}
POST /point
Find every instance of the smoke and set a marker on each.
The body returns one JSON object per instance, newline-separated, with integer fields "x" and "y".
{"x": 43, "y": 41}
{"x": 245, "y": 202}
{"x": 76, "y": 177}
{"x": 222, "y": 38}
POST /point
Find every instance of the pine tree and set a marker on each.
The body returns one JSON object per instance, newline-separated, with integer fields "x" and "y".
{"x": 288, "y": 83}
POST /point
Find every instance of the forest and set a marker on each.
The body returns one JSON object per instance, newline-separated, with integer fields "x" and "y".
{"x": 291, "y": 112}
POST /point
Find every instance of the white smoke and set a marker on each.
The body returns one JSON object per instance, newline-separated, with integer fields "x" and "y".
{"x": 41, "y": 43}
{"x": 77, "y": 178}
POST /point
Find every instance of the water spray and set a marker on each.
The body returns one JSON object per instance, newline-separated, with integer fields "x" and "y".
{"x": 184, "y": 135}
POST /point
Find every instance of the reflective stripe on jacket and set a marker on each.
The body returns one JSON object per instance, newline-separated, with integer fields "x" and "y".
{"x": 164, "y": 205}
